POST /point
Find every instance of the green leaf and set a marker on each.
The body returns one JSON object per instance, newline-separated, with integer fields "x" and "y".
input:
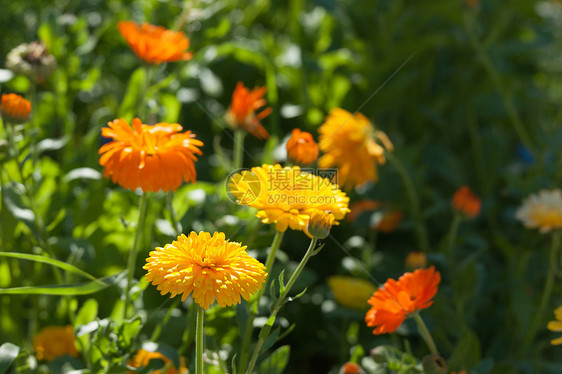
{"x": 467, "y": 352}
{"x": 276, "y": 362}
{"x": 281, "y": 282}
{"x": 132, "y": 98}
{"x": 65, "y": 290}
{"x": 8, "y": 353}
{"x": 87, "y": 313}
{"x": 51, "y": 261}
{"x": 52, "y": 144}
{"x": 82, "y": 173}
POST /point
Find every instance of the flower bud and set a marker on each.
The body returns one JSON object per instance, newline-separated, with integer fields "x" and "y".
{"x": 320, "y": 224}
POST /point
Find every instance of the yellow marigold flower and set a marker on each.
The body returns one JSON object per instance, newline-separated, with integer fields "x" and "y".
{"x": 350, "y": 143}
{"x": 301, "y": 147}
{"x": 142, "y": 358}
{"x": 542, "y": 211}
{"x": 416, "y": 260}
{"x": 319, "y": 224}
{"x": 152, "y": 158}
{"x": 209, "y": 266}
{"x": 14, "y": 108}
{"x": 53, "y": 342}
{"x": 155, "y": 44}
{"x": 556, "y": 326}
{"x": 351, "y": 292}
{"x": 287, "y": 197}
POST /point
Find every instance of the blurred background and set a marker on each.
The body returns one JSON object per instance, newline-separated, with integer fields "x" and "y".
{"x": 468, "y": 91}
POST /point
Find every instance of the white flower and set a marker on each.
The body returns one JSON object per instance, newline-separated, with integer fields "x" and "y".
{"x": 542, "y": 210}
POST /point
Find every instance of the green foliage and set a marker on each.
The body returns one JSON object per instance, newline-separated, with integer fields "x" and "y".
{"x": 468, "y": 94}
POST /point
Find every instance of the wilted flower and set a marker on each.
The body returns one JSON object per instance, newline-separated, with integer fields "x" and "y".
{"x": 209, "y": 266}
{"x": 242, "y": 111}
{"x": 416, "y": 260}
{"x": 301, "y": 147}
{"x": 142, "y": 358}
{"x": 152, "y": 158}
{"x": 466, "y": 202}
{"x": 155, "y": 44}
{"x": 53, "y": 342}
{"x": 393, "y": 302}
{"x": 350, "y": 143}
{"x": 32, "y": 60}
{"x": 287, "y": 197}
{"x": 351, "y": 292}
{"x": 556, "y": 326}
{"x": 14, "y": 108}
{"x": 542, "y": 211}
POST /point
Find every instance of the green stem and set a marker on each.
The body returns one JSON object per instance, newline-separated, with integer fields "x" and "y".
{"x": 425, "y": 334}
{"x": 414, "y": 202}
{"x": 264, "y": 333}
{"x": 133, "y": 253}
{"x": 33, "y": 124}
{"x": 42, "y": 235}
{"x": 254, "y": 306}
{"x": 238, "y": 159}
{"x": 453, "y": 236}
{"x": 199, "y": 341}
{"x": 500, "y": 87}
{"x": 173, "y": 220}
{"x": 547, "y": 291}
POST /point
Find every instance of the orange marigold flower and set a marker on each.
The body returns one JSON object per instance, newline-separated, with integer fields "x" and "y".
{"x": 466, "y": 202}
{"x": 152, "y": 158}
{"x": 387, "y": 221}
{"x": 287, "y": 197}
{"x": 209, "y": 266}
{"x": 301, "y": 147}
{"x": 542, "y": 211}
{"x": 556, "y": 326}
{"x": 351, "y": 368}
{"x": 350, "y": 143}
{"x": 155, "y": 44}
{"x": 241, "y": 114}
{"x": 53, "y": 342}
{"x": 416, "y": 260}
{"x": 393, "y": 302}
{"x": 14, "y": 108}
{"x": 142, "y": 358}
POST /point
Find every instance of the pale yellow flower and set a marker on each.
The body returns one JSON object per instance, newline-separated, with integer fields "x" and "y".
{"x": 556, "y": 326}
{"x": 351, "y": 292}
{"x": 542, "y": 210}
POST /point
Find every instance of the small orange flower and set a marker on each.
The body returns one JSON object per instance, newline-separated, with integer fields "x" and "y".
{"x": 152, "y": 158}
{"x": 350, "y": 368}
{"x": 15, "y": 108}
{"x": 466, "y": 202}
{"x": 388, "y": 221}
{"x": 155, "y": 44}
{"x": 416, "y": 260}
{"x": 142, "y": 358}
{"x": 393, "y": 302}
{"x": 241, "y": 114}
{"x": 53, "y": 342}
{"x": 301, "y": 147}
